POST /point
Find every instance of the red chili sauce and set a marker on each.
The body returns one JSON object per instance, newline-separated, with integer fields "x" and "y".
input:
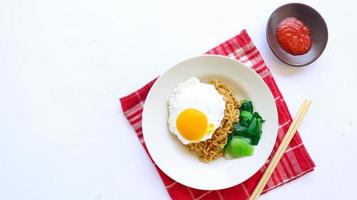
{"x": 294, "y": 36}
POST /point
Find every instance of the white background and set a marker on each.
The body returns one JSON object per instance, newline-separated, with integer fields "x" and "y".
{"x": 65, "y": 63}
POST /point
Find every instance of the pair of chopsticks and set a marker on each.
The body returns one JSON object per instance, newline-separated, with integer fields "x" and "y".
{"x": 281, "y": 149}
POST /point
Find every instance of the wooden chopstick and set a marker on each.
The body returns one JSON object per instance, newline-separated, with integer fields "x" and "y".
{"x": 281, "y": 149}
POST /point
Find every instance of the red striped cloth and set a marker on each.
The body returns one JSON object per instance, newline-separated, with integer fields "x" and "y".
{"x": 295, "y": 161}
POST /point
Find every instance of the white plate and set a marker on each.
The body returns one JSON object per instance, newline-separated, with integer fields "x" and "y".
{"x": 172, "y": 157}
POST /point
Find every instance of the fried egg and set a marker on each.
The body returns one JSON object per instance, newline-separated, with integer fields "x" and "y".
{"x": 195, "y": 111}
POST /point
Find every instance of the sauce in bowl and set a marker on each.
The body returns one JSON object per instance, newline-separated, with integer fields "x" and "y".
{"x": 294, "y": 36}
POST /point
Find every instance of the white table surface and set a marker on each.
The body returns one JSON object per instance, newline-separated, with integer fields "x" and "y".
{"x": 65, "y": 63}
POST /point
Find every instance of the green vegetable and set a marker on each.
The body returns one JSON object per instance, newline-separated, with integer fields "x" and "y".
{"x": 246, "y": 114}
{"x": 239, "y": 130}
{"x": 257, "y": 133}
{"x": 246, "y": 132}
{"x": 252, "y": 128}
{"x": 244, "y": 122}
{"x": 257, "y": 115}
{"x": 229, "y": 138}
{"x": 239, "y": 147}
{"x": 254, "y": 131}
{"x": 246, "y": 105}
{"x": 252, "y": 120}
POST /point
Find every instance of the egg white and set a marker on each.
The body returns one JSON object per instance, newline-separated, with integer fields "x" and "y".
{"x": 201, "y": 96}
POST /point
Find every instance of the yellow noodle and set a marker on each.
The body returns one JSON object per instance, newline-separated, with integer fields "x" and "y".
{"x": 213, "y": 148}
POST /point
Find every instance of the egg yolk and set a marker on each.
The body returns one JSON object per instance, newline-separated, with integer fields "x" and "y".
{"x": 193, "y": 124}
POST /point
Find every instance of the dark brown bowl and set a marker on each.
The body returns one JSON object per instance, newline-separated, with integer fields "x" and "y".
{"x": 312, "y": 19}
